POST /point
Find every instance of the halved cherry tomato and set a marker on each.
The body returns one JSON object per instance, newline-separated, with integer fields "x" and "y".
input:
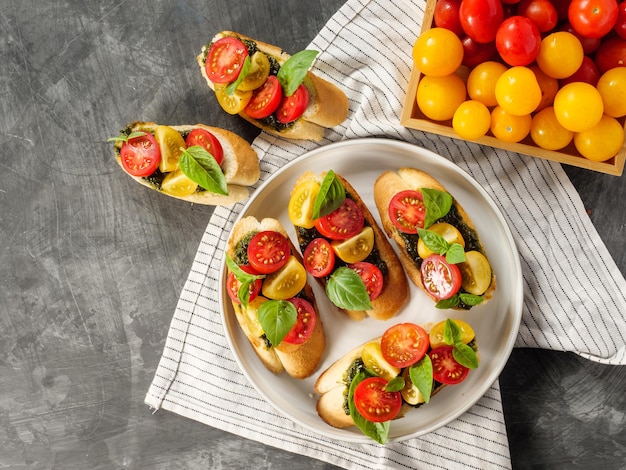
{"x": 436, "y": 335}
{"x": 232, "y": 103}
{"x": 441, "y": 279}
{"x": 233, "y": 285}
{"x": 305, "y": 322}
{"x": 374, "y": 403}
{"x": 140, "y": 155}
{"x": 258, "y": 72}
{"x": 302, "y": 202}
{"x": 319, "y": 257}
{"x": 407, "y": 211}
{"x": 404, "y": 344}
{"x": 292, "y": 107}
{"x": 208, "y": 141}
{"x": 447, "y": 231}
{"x": 342, "y": 223}
{"x": 356, "y": 248}
{"x": 445, "y": 368}
{"x": 225, "y": 59}
{"x": 285, "y": 282}
{"x": 171, "y": 144}
{"x": 371, "y": 276}
{"x": 268, "y": 251}
{"x": 265, "y": 99}
{"x": 373, "y": 359}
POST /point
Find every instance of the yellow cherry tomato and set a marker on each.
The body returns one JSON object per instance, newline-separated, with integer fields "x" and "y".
{"x": 373, "y": 359}
{"x": 471, "y": 120}
{"x": 578, "y": 106}
{"x": 356, "y": 248}
{"x": 481, "y": 82}
{"x": 437, "y": 52}
{"x": 258, "y": 73}
{"x": 410, "y": 393}
{"x": 171, "y": 144}
{"x": 439, "y": 97}
{"x": 436, "y": 333}
{"x": 301, "y": 202}
{"x": 517, "y": 91}
{"x": 561, "y": 54}
{"x": 232, "y": 103}
{"x": 547, "y": 132}
{"x": 612, "y": 88}
{"x": 250, "y": 316}
{"x": 475, "y": 272}
{"x": 602, "y": 141}
{"x": 286, "y": 282}
{"x": 448, "y": 232}
{"x": 176, "y": 183}
{"x": 549, "y": 86}
{"x": 508, "y": 127}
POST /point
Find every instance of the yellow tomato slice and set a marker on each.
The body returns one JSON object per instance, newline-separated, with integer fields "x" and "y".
{"x": 475, "y": 273}
{"x": 301, "y": 202}
{"x": 450, "y": 234}
{"x": 436, "y": 333}
{"x": 410, "y": 393}
{"x": 171, "y": 144}
{"x": 357, "y": 248}
{"x": 251, "y": 317}
{"x": 258, "y": 73}
{"x": 373, "y": 359}
{"x": 176, "y": 183}
{"x": 233, "y": 103}
{"x": 286, "y": 282}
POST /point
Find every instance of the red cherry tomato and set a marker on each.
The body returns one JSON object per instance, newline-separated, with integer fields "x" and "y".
{"x": 372, "y": 277}
{"x": 305, "y": 322}
{"x": 590, "y": 45}
{"x": 374, "y": 403}
{"x": 407, "y": 211}
{"x": 404, "y": 344}
{"x": 593, "y": 18}
{"x": 292, "y": 107}
{"x": 342, "y": 223}
{"x": 588, "y": 73}
{"x": 480, "y": 18}
{"x": 319, "y": 257}
{"x": 562, "y": 8}
{"x": 445, "y": 368}
{"x": 233, "y": 285}
{"x": 140, "y": 155}
{"x": 208, "y": 141}
{"x": 265, "y": 99}
{"x": 518, "y": 40}
{"x": 611, "y": 53}
{"x": 542, "y": 12}
{"x": 475, "y": 53}
{"x": 441, "y": 279}
{"x": 446, "y": 15}
{"x": 268, "y": 251}
{"x": 620, "y": 23}
{"x": 225, "y": 59}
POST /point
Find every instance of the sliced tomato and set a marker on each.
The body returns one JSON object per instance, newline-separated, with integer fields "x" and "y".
{"x": 305, "y": 322}
{"x": 342, "y": 223}
{"x": 319, "y": 257}
{"x": 233, "y": 285}
{"x": 208, "y": 141}
{"x": 285, "y": 282}
{"x": 372, "y": 277}
{"x": 441, "y": 279}
{"x": 292, "y": 107}
{"x": 225, "y": 59}
{"x": 232, "y": 103}
{"x": 268, "y": 251}
{"x": 407, "y": 211}
{"x": 445, "y": 368}
{"x": 265, "y": 99}
{"x": 404, "y": 344}
{"x": 374, "y": 403}
{"x": 140, "y": 155}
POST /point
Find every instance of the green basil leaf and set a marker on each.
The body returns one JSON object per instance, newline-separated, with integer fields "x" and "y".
{"x": 125, "y": 138}
{"x": 230, "y": 89}
{"x": 293, "y": 71}
{"x": 200, "y": 166}
{"x": 455, "y": 254}
{"x": 330, "y": 196}
{"x": 244, "y": 278}
{"x": 395, "y": 385}
{"x": 433, "y": 241}
{"x": 421, "y": 374}
{"x": 448, "y": 303}
{"x": 377, "y": 431}
{"x": 346, "y": 289}
{"x": 277, "y": 318}
{"x": 438, "y": 204}
{"x": 451, "y": 332}
{"x": 470, "y": 299}
{"x": 465, "y": 355}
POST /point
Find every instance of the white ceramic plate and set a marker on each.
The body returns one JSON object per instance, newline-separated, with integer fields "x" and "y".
{"x": 496, "y": 324}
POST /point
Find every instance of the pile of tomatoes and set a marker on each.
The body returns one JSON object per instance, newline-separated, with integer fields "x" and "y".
{"x": 550, "y": 71}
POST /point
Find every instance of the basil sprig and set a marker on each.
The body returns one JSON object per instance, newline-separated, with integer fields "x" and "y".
{"x": 346, "y": 290}
{"x": 330, "y": 196}
{"x": 421, "y": 374}
{"x": 437, "y": 203}
{"x": 200, "y": 167}
{"x": 454, "y": 252}
{"x": 462, "y": 353}
{"x": 123, "y": 137}
{"x": 293, "y": 71}
{"x": 245, "y": 280}
{"x": 277, "y": 318}
{"x": 456, "y": 299}
{"x": 377, "y": 431}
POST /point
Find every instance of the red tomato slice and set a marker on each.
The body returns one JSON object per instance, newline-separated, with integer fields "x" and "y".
{"x": 268, "y": 251}
{"x": 342, "y": 223}
{"x": 445, "y": 368}
{"x": 374, "y": 403}
{"x": 225, "y": 59}
{"x": 372, "y": 277}
{"x": 305, "y": 323}
{"x": 208, "y": 141}
{"x": 265, "y": 99}
{"x": 407, "y": 211}
{"x": 292, "y": 107}
{"x": 404, "y": 344}
{"x": 319, "y": 257}
{"x": 233, "y": 285}
{"x": 141, "y": 155}
{"x": 441, "y": 279}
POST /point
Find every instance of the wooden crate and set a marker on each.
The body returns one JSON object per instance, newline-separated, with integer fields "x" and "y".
{"x": 413, "y": 118}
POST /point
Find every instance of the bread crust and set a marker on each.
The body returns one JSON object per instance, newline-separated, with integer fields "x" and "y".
{"x": 328, "y": 105}
{"x": 395, "y": 291}
{"x": 240, "y": 165}
{"x": 298, "y": 360}
{"x": 390, "y": 183}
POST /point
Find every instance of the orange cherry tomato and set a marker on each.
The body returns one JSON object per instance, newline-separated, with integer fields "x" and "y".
{"x": 578, "y": 106}
{"x": 560, "y": 55}
{"x": 518, "y": 91}
{"x": 481, "y": 82}
{"x": 547, "y": 132}
{"x": 438, "y": 52}
{"x": 602, "y": 141}
{"x": 508, "y": 127}
{"x": 471, "y": 120}
{"x": 438, "y": 97}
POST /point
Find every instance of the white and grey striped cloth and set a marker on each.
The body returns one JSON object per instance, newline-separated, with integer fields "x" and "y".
{"x": 573, "y": 292}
